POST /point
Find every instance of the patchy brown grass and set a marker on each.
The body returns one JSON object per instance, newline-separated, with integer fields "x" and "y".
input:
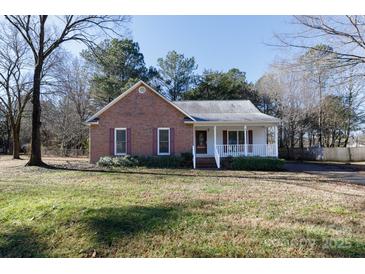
{"x": 79, "y": 211}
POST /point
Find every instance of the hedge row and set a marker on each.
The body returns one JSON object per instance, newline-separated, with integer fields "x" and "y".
{"x": 252, "y": 163}
{"x": 185, "y": 160}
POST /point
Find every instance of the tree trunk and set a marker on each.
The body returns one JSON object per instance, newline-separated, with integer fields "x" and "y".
{"x": 349, "y": 113}
{"x": 339, "y": 141}
{"x": 8, "y": 137}
{"x": 292, "y": 137}
{"x": 310, "y": 139}
{"x": 281, "y": 142}
{"x": 16, "y": 141}
{"x": 35, "y": 156}
{"x": 346, "y": 140}
{"x": 320, "y": 112}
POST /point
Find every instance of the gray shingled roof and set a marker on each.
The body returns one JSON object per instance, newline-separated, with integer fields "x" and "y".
{"x": 224, "y": 110}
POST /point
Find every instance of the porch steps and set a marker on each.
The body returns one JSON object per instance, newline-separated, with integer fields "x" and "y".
{"x": 206, "y": 162}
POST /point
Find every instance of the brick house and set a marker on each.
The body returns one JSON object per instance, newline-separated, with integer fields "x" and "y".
{"x": 142, "y": 122}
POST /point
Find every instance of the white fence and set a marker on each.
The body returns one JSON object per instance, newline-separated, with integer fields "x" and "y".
{"x": 342, "y": 154}
{"x": 337, "y": 154}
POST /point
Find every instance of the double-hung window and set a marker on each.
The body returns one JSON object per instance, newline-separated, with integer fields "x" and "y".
{"x": 120, "y": 141}
{"x": 236, "y": 137}
{"x": 163, "y": 141}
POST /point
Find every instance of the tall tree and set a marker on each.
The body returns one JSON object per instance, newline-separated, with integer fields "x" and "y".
{"x": 15, "y": 89}
{"x": 318, "y": 64}
{"x": 44, "y": 37}
{"x": 351, "y": 90}
{"x": 230, "y": 85}
{"x": 268, "y": 90}
{"x": 334, "y": 120}
{"x": 177, "y": 74}
{"x": 73, "y": 101}
{"x": 117, "y": 65}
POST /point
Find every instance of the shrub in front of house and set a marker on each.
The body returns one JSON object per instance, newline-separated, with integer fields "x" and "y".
{"x": 161, "y": 161}
{"x": 122, "y": 161}
{"x": 253, "y": 163}
{"x": 125, "y": 161}
{"x": 105, "y": 162}
{"x": 185, "y": 160}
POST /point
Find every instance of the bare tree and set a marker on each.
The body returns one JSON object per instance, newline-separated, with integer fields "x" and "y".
{"x": 5, "y": 133}
{"x": 15, "y": 91}
{"x": 345, "y": 35}
{"x": 74, "y": 78}
{"x": 74, "y": 101}
{"x": 316, "y": 66}
{"x": 268, "y": 89}
{"x": 351, "y": 88}
{"x": 44, "y": 37}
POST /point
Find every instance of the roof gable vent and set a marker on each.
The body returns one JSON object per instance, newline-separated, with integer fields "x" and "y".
{"x": 141, "y": 89}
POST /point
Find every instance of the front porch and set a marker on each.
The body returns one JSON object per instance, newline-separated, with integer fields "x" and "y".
{"x": 234, "y": 140}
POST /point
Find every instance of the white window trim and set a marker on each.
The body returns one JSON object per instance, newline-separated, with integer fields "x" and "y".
{"x": 158, "y": 140}
{"x": 115, "y": 141}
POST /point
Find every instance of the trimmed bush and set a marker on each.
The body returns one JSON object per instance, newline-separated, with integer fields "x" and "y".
{"x": 161, "y": 161}
{"x": 105, "y": 162}
{"x": 122, "y": 161}
{"x": 253, "y": 163}
{"x": 125, "y": 161}
{"x": 187, "y": 159}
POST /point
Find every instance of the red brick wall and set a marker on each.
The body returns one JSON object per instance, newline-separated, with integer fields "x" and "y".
{"x": 141, "y": 113}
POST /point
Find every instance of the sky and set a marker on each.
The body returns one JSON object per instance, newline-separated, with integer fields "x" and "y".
{"x": 216, "y": 42}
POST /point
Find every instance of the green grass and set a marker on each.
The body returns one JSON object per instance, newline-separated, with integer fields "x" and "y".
{"x": 176, "y": 213}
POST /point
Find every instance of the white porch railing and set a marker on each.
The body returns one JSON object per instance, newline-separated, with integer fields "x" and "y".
{"x": 261, "y": 150}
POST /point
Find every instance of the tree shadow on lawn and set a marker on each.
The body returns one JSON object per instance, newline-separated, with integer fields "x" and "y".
{"x": 289, "y": 179}
{"x": 157, "y": 172}
{"x": 116, "y": 222}
{"x": 21, "y": 242}
{"x": 111, "y": 224}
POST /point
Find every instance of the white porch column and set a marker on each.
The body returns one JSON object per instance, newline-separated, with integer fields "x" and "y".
{"x": 276, "y": 141}
{"x": 215, "y": 138}
{"x": 194, "y": 148}
{"x": 193, "y": 135}
{"x": 245, "y": 130}
{"x": 266, "y": 149}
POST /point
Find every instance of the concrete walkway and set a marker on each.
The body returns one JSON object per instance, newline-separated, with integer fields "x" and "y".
{"x": 341, "y": 172}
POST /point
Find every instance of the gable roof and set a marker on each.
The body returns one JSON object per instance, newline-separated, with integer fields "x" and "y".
{"x": 203, "y": 111}
{"x": 94, "y": 118}
{"x": 225, "y": 110}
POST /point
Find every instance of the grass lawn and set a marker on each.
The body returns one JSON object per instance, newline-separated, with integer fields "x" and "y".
{"x": 175, "y": 213}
